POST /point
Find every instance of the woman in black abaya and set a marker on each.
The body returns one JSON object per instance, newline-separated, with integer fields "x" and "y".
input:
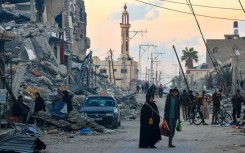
{"x": 149, "y": 123}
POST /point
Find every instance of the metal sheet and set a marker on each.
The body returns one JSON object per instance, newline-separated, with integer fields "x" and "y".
{"x": 3, "y": 95}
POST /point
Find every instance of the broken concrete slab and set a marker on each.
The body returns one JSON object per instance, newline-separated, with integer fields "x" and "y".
{"x": 18, "y": 79}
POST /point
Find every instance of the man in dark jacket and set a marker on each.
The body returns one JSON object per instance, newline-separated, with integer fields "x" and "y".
{"x": 216, "y": 105}
{"x": 39, "y": 104}
{"x": 184, "y": 100}
{"x": 172, "y": 113}
{"x": 191, "y": 100}
{"x": 236, "y": 100}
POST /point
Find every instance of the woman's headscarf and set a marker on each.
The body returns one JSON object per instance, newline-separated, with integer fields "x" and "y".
{"x": 148, "y": 96}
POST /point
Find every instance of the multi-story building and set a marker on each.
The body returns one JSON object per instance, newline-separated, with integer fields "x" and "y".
{"x": 70, "y": 16}
{"x": 229, "y": 49}
{"x": 66, "y": 15}
{"x": 223, "y": 49}
{"x": 125, "y": 69}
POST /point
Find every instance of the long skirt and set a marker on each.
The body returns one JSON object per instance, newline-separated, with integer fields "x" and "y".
{"x": 204, "y": 109}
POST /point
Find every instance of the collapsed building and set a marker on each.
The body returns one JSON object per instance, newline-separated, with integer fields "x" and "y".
{"x": 43, "y": 50}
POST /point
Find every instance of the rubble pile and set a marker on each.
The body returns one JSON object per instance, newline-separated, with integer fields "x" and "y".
{"x": 75, "y": 121}
{"x": 81, "y": 121}
{"x": 36, "y": 68}
{"x": 32, "y": 50}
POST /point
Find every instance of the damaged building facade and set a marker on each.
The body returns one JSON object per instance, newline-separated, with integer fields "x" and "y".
{"x": 226, "y": 68}
{"x": 124, "y": 71}
{"x": 229, "y": 50}
{"x": 39, "y": 40}
{"x": 35, "y": 58}
{"x": 66, "y": 16}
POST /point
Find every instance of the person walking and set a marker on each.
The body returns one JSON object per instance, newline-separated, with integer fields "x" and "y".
{"x": 142, "y": 88}
{"x": 237, "y": 100}
{"x": 198, "y": 101}
{"x": 160, "y": 90}
{"x": 138, "y": 88}
{"x": 184, "y": 100}
{"x": 204, "y": 107}
{"x": 191, "y": 100}
{"x": 216, "y": 105}
{"x": 39, "y": 103}
{"x": 149, "y": 123}
{"x": 172, "y": 114}
{"x": 146, "y": 87}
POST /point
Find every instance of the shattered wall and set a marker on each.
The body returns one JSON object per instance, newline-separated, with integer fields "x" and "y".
{"x": 75, "y": 20}
{"x": 53, "y": 9}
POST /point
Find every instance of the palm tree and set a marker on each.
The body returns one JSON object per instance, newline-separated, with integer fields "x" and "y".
{"x": 189, "y": 54}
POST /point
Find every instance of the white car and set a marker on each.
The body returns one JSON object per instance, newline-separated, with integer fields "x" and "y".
{"x": 165, "y": 90}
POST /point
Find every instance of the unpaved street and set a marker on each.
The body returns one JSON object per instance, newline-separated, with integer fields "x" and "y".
{"x": 192, "y": 139}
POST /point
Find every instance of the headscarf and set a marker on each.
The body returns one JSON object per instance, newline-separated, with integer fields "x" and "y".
{"x": 148, "y": 96}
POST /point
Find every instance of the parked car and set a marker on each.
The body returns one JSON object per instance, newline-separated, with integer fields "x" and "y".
{"x": 165, "y": 90}
{"x": 104, "y": 109}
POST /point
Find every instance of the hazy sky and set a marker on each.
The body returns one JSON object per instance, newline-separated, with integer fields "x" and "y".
{"x": 164, "y": 27}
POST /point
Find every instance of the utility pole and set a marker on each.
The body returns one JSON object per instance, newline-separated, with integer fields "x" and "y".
{"x": 114, "y": 80}
{"x": 136, "y": 32}
{"x": 130, "y": 75}
{"x": 145, "y": 73}
{"x": 140, "y": 54}
{"x": 109, "y": 61}
{"x": 152, "y": 62}
{"x": 151, "y": 77}
{"x": 148, "y": 75}
{"x": 182, "y": 70}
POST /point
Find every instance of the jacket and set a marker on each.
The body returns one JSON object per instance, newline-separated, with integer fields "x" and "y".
{"x": 184, "y": 99}
{"x": 237, "y": 101}
{"x": 176, "y": 107}
{"x": 216, "y": 99}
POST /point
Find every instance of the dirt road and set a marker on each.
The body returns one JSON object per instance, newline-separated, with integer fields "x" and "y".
{"x": 192, "y": 139}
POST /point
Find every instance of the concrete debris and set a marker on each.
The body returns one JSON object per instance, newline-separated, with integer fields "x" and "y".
{"x": 81, "y": 121}
{"x": 37, "y": 66}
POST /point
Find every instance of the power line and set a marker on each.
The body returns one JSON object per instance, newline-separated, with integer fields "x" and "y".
{"x": 222, "y": 18}
{"x": 103, "y": 53}
{"x": 241, "y": 5}
{"x": 215, "y": 7}
{"x": 214, "y": 60}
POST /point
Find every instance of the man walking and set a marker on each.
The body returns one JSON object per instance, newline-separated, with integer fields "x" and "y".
{"x": 216, "y": 105}
{"x": 172, "y": 114}
{"x": 236, "y": 100}
{"x": 184, "y": 102}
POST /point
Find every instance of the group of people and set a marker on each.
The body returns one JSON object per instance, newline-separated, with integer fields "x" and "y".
{"x": 21, "y": 110}
{"x": 237, "y": 100}
{"x": 189, "y": 102}
{"x": 150, "y": 119}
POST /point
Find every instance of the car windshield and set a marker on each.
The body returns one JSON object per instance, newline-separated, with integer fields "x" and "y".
{"x": 99, "y": 102}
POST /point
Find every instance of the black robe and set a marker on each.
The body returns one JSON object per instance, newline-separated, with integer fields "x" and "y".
{"x": 39, "y": 105}
{"x": 149, "y": 134}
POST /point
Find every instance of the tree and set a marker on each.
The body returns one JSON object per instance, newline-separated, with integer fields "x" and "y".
{"x": 189, "y": 54}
